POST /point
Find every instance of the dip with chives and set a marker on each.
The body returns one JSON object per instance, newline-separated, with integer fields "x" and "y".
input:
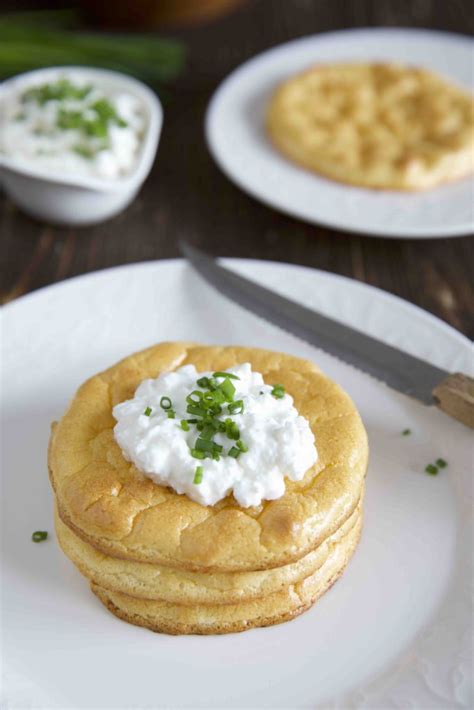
{"x": 73, "y": 125}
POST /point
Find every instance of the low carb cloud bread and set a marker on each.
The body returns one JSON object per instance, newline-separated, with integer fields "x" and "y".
{"x": 376, "y": 125}
{"x": 162, "y": 560}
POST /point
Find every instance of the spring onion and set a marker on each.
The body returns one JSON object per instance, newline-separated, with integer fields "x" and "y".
{"x": 39, "y": 536}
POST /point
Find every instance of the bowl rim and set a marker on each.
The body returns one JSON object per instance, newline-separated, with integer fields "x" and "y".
{"x": 149, "y": 141}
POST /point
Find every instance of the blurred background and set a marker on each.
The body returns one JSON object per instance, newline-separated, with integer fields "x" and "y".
{"x": 186, "y": 195}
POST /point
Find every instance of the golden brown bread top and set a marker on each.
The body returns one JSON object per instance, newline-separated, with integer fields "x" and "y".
{"x": 114, "y": 507}
{"x": 379, "y": 125}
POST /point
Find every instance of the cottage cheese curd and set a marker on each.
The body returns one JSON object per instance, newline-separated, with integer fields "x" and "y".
{"x": 278, "y": 440}
{"x": 72, "y": 125}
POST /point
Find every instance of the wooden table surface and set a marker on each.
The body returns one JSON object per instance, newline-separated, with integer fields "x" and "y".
{"x": 187, "y": 196}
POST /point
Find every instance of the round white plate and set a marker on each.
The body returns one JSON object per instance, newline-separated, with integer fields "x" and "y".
{"x": 393, "y": 632}
{"x": 236, "y": 137}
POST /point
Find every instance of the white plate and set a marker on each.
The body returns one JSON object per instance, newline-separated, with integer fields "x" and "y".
{"x": 236, "y": 137}
{"x": 393, "y": 631}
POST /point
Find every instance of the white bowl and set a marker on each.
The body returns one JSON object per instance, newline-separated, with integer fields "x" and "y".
{"x": 79, "y": 200}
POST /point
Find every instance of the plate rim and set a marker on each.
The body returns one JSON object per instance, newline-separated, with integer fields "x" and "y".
{"x": 6, "y": 308}
{"x": 459, "y": 230}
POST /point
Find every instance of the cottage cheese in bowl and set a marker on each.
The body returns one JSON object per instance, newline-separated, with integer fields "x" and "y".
{"x": 75, "y": 125}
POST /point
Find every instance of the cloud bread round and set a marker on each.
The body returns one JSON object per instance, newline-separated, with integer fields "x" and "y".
{"x": 105, "y": 500}
{"x": 147, "y": 581}
{"x": 219, "y": 619}
{"x": 375, "y": 125}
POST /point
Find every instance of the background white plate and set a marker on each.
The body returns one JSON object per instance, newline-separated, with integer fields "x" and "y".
{"x": 393, "y": 631}
{"x": 236, "y": 137}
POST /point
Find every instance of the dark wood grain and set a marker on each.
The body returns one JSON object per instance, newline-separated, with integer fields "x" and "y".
{"x": 187, "y": 196}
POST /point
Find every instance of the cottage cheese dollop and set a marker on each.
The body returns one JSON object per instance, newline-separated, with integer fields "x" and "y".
{"x": 280, "y": 442}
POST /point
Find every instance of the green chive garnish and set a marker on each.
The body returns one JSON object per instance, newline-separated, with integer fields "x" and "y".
{"x": 184, "y": 425}
{"x": 441, "y": 463}
{"x": 171, "y": 414}
{"x": 147, "y": 412}
{"x": 406, "y": 432}
{"x": 231, "y": 429}
{"x": 195, "y": 397}
{"x": 236, "y": 407}
{"x": 198, "y": 475}
{"x": 278, "y": 391}
{"x": 226, "y": 374}
{"x": 431, "y": 469}
{"x": 228, "y": 389}
{"x": 198, "y": 454}
{"x": 243, "y": 447}
{"x": 234, "y": 452}
{"x": 165, "y": 403}
{"x": 39, "y": 536}
{"x": 203, "y": 382}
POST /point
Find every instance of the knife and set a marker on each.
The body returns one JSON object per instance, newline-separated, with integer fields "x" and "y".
{"x": 452, "y": 393}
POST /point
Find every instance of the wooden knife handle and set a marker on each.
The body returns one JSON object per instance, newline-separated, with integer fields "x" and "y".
{"x": 455, "y": 396}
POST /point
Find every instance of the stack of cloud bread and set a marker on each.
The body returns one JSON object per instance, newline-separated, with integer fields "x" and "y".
{"x": 160, "y": 560}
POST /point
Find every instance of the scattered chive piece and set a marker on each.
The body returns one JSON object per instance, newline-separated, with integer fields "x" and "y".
{"x": 171, "y": 414}
{"x": 228, "y": 389}
{"x": 406, "y": 432}
{"x": 198, "y": 475}
{"x": 441, "y": 463}
{"x": 229, "y": 375}
{"x": 192, "y": 421}
{"x": 147, "y": 412}
{"x": 431, "y": 469}
{"x": 203, "y": 382}
{"x": 195, "y": 397}
{"x": 234, "y": 452}
{"x": 184, "y": 425}
{"x": 165, "y": 403}
{"x": 236, "y": 407}
{"x": 198, "y": 454}
{"x": 278, "y": 391}
{"x": 39, "y": 536}
{"x": 194, "y": 409}
{"x": 243, "y": 447}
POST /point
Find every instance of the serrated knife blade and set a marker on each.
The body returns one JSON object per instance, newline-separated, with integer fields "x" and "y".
{"x": 398, "y": 369}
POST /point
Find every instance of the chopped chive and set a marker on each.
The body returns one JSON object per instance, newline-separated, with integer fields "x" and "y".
{"x": 184, "y": 425}
{"x": 203, "y": 382}
{"x": 226, "y": 374}
{"x": 194, "y": 409}
{"x": 234, "y": 452}
{"x": 192, "y": 421}
{"x": 171, "y": 414}
{"x": 147, "y": 412}
{"x": 197, "y": 454}
{"x": 278, "y": 391}
{"x": 228, "y": 389}
{"x": 243, "y": 447}
{"x": 206, "y": 445}
{"x": 198, "y": 475}
{"x": 431, "y": 469}
{"x": 231, "y": 429}
{"x": 165, "y": 403}
{"x": 406, "y": 432}
{"x": 441, "y": 463}
{"x": 236, "y": 407}
{"x": 39, "y": 536}
{"x": 194, "y": 397}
